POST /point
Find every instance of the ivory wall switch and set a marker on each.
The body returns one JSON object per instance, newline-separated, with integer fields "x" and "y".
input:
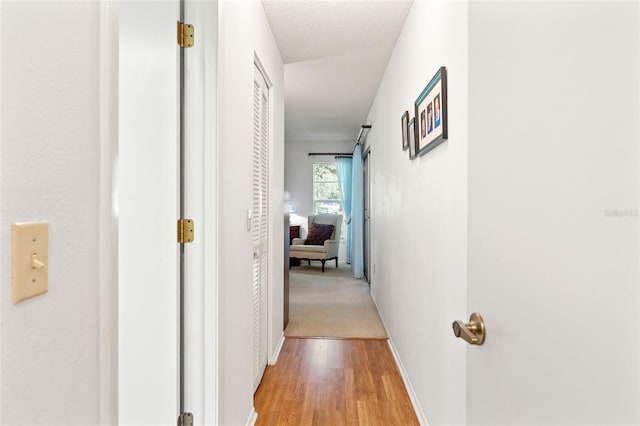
{"x": 29, "y": 260}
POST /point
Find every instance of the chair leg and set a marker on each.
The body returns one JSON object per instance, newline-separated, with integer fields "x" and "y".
{"x": 323, "y": 261}
{"x": 308, "y": 262}
{"x": 336, "y": 262}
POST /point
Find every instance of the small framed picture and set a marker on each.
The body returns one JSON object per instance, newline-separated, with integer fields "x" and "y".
{"x": 404, "y": 121}
{"x": 431, "y": 113}
{"x": 412, "y": 138}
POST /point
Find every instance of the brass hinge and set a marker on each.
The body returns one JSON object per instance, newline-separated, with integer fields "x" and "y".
{"x": 185, "y": 231}
{"x": 185, "y": 419}
{"x": 185, "y": 35}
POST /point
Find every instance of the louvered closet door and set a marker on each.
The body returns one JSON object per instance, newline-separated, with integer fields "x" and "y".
{"x": 259, "y": 223}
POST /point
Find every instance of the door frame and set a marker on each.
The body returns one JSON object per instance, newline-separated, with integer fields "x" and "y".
{"x": 366, "y": 220}
{"x": 201, "y": 199}
{"x": 260, "y": 69}
{"x": 108, "y": 220}
{"x": 209, "y": 13}
{"x": 274, "y": 334}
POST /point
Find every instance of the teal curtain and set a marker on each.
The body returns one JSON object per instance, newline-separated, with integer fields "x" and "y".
{"x": 357, "y": 214}
{"x": 344, "y": 181}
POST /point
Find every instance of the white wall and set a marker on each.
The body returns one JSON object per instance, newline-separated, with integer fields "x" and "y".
{"x": 49, "y": 163}
{"x": 419, "y": 211}
{"x": 245, "y": 32}
{"x": 298, "y": 178}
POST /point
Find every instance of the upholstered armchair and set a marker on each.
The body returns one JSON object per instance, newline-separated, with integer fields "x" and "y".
{"x": 322, "y": 242}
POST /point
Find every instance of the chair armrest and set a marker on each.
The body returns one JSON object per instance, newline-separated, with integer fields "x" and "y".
{"x": 331, "y": 247}
{"x": 328, "y": 243}
{"x": 298, "y": 241}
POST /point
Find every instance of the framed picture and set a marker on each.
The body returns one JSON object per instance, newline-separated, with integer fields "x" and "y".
{"x": 431, "y": 114}
{"x": 412, "y": 138}
{"x": 404, "y": 121}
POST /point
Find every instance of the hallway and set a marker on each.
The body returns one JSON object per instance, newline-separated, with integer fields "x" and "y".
{"x": 527, "y": 213}
{"x": 333, "y": 382}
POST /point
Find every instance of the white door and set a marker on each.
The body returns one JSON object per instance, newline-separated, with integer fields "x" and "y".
{"x": 553, "y": 213}
{"x": 148, "y": 185}
{"x": 161, "y": 329}
{"x": 260, "y": 222}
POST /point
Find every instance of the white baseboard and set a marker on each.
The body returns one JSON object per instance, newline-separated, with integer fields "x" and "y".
{"x": 407, "y": 384}
{"x": 276, "y": 353}
{"x": 253, "y": 417}
{"x": 422, "y": 419}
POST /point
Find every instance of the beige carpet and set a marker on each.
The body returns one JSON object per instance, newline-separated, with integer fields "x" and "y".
{"x": 333, "y": 304}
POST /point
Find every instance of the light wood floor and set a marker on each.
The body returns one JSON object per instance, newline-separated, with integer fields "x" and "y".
{"x": 334, "y": 382}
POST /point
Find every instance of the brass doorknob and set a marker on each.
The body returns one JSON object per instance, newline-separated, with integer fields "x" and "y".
{"x": 473, "y": 331}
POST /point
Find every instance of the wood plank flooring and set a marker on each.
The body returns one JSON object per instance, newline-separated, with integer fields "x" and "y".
{"x": 334, "y": 382}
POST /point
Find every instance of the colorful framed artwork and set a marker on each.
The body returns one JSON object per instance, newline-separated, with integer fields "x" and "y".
{"x": 431, "y": 114}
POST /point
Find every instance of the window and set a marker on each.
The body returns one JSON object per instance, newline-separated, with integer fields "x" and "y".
{"x": 326, "y": 191}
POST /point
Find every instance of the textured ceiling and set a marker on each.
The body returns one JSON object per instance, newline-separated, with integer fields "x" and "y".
{"x": 335, "y": 54}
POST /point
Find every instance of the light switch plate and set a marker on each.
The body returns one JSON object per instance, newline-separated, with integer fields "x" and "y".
{"x": 29, "y": 260}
